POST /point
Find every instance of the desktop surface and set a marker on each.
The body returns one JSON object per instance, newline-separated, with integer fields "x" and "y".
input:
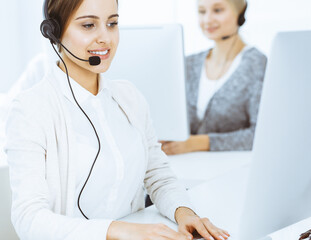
{"x": 196, "y": 168}
{"x": 292, "y": 232}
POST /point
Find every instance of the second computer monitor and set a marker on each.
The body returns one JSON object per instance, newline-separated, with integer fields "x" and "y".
{"x": 279, "y": 191}
{"x": 152, "y": 58}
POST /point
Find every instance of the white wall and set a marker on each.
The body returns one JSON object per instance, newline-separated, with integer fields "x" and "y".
{"x": 21, "y": 39}
{"x": 264, "y": 19}
{"x": 267, "y": 17}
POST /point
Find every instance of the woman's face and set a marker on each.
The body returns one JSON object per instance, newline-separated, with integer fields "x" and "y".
{"x": 92, "y": 31}
{"x": 217, "y": 18}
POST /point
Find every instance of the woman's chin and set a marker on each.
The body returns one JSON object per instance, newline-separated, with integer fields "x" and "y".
{"x": 210, "y": 36}
{"x": 100, "y": 68}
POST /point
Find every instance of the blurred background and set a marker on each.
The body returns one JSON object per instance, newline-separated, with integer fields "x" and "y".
{"x": 21, "y": 39}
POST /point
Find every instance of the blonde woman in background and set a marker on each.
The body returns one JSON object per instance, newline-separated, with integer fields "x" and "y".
{"x": 223, "y": 83}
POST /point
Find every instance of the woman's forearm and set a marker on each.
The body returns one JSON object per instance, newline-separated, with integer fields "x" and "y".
{"x": 200, "y": 142}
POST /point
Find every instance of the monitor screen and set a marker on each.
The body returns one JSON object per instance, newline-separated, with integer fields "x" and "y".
{"x": 152, "y": 58}
{"x": 279, "y": 190}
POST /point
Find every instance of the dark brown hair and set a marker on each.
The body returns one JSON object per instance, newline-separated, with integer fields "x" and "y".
{"x": 62, "y": 10}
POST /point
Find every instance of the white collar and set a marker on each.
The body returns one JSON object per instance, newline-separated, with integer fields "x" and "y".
{"x": 81, "y": 94}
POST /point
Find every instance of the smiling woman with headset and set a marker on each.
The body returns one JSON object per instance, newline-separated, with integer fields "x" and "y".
{"x": 81, "y": 149}
{"x": 223, "y": 83}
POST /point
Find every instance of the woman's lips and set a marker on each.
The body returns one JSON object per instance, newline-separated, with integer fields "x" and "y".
{"x": 103, "y": 53}
{"x": 211, "y": 29}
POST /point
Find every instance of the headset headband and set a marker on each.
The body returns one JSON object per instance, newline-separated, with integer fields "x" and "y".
{"x": 46, "y": 9}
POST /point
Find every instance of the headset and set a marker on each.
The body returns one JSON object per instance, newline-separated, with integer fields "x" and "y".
{"x": 241, "y": 21}
{"x": 241, "y": 18}
{"x": 51, "y": 30}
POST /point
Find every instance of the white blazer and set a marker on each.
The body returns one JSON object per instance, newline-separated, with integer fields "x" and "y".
{"x": 41, "y": 153}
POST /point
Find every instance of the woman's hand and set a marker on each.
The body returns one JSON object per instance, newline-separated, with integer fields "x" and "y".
{"x": 189, "y": 222}
{"x": 134, "y": 231}
{"x": 194, "y": 143}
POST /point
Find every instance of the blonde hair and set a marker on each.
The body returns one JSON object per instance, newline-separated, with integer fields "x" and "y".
{"x": 238, "y": 5}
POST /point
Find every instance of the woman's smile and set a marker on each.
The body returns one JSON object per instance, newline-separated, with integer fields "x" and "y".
{"x": 102, "y": 53}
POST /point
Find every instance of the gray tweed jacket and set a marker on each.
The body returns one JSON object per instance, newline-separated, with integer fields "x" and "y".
{"x": 230, "y": 117}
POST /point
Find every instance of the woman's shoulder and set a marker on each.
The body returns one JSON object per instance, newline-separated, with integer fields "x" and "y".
{"x": 36, "y": 92}
{"x": 197, "y": 57}
{"x": 253, "y": 63}
{"x": 35, "y": 99}
{"x": 252, "y": 54}
{"x": 194, "y": 65}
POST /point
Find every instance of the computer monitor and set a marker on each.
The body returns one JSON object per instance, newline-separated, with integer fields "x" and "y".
{"x": 152, "y": 58}
{"x": 279, "y": 188}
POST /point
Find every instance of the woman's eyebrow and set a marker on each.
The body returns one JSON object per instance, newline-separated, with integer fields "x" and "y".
{"x": 96, "y": 17}
{"x": 113, "y": 15}
{"x": 87, "y": 16}
{"x": 218, "y": 5}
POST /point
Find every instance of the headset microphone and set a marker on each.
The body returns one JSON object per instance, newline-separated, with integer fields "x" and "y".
{"x": 228, "y": 36}
{"x": 93, "y": 61}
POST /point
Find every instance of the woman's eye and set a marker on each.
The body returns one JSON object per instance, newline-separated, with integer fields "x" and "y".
{"x": 113, "y": 24}
{"x": 202, "y": 11}
{"x": 217, "y": 10}
{"x": 88, "y": 26}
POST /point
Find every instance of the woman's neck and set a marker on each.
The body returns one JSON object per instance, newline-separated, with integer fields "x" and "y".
{"x": 227, "y": 50}
{"x": 83, "y": 77}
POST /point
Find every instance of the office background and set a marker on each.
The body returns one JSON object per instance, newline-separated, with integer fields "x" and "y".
{"x": 21, "y": 39}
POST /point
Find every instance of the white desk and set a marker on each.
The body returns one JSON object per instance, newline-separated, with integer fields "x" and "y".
{"x": 195, "y": 168}
{"x": 292, "y": 232}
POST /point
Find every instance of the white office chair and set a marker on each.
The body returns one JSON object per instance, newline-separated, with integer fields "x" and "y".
{"x": 7, "y": 231}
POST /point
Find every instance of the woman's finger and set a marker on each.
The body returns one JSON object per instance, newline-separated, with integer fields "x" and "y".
{"x": 185, "y": 232}
{"x": 200, "y": 228}
{"x": 170, "y": 234}
{"x": 217, "y": 233}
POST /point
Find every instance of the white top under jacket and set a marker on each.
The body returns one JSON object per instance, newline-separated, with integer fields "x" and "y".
{"x": 208, "y": 87}
{"x": 42, "y": 152}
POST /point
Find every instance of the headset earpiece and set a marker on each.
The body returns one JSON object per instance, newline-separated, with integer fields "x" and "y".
{"x": 241, "y": 18}
{"x": 50, "y": 29}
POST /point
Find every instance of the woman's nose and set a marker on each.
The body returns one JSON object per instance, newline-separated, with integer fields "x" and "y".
{"x": 104, "y": 36}
{"x": 208, "y": 17}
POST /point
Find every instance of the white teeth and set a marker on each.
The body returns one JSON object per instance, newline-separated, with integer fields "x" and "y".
{"x": 99, "y": 53}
